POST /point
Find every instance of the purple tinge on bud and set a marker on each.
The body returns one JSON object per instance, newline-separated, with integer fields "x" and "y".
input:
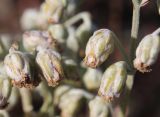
{"x": 99, "y": 47}
{"x": 147, "y": 52}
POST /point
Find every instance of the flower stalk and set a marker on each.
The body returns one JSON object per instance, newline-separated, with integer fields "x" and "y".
{"x": 135, "y": 28}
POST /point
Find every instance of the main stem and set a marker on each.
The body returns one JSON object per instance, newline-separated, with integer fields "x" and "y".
{"x": 134, "y": 31}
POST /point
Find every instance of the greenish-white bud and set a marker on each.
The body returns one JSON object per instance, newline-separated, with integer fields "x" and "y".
{"x": 99, "y": 47}
{"x": 49, "y": 62}
{"x": 29, "y": 19}
{"x": 58, "y": 32}
{"x": 113, "y": 81}
{"x": 147, "y": 52}
{"x": 53, "y": 10}
{"x": 92, "y": 79}
{"x": 33, "y": 39}
{"x": 59, "y": 92}
{"x": 20, "y": 69}
{"x": 78, "y": 98}
{"x": 98, "y": 108}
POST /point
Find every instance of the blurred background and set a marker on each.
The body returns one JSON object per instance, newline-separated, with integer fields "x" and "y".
{"x": 115, "y": 15}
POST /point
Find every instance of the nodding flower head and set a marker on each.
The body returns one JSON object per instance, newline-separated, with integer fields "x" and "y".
{"x": 19, "y": 68}
{"x": 49, "y": 62}
{"x": 99, "y": 47}
{"x": 147, "y": 52}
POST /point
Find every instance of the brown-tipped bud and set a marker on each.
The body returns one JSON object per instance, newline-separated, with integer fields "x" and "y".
{"x": 49, "y": 62}
{"x": 99, "y": 47}
{"x": 20, "y": 69}
{"x": 113, "y": 81}
{"x": 147, "y": 52}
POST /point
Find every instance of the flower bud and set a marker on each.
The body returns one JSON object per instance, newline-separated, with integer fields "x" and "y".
{"x": 92, "y": 79}
{"x": 29, "y": 19}
{"x": 59, "y": 92}
{"x": 53, "y": 10}
{"x": 99, "y": 47}
{"x": 20, "y": 69}
{"x": 158, "y": 4}
{"x": 49, "y": 62}
{"x": 58, "y": 32}
{"x": 147, "y": 52}
{"x": 113, "y": 81}
{"x": 98, "y": 108}
{"x": 78, "y": 98}
{"x": 32, "y": 39}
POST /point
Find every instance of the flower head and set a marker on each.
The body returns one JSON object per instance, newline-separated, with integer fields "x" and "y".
{"x": 113, "y": 81}
{"x": 99, "y": 47}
